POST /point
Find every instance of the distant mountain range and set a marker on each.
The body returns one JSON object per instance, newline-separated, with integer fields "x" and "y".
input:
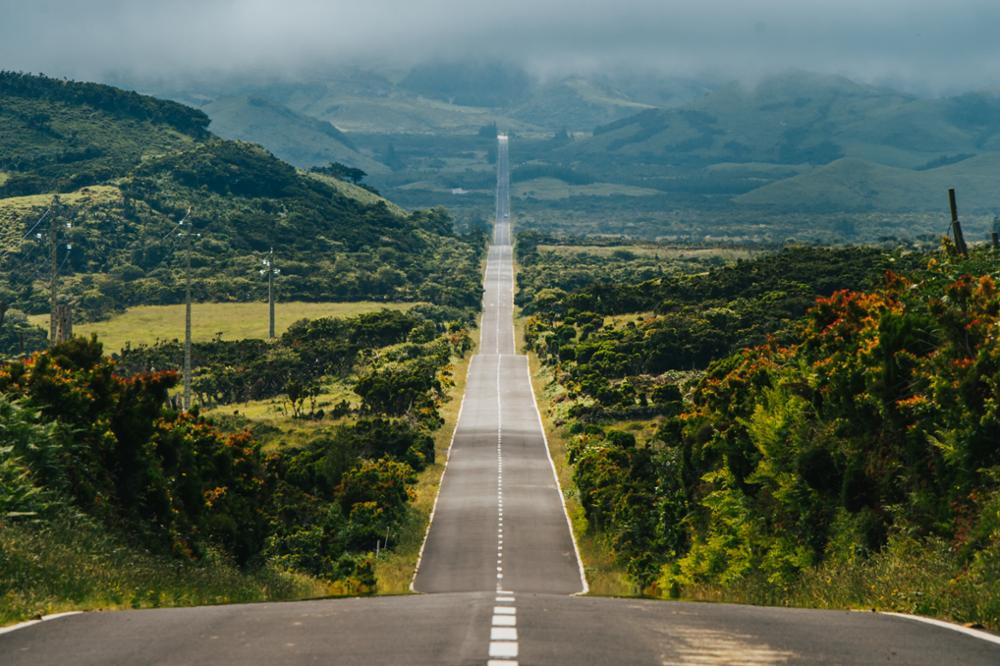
{"x": 799, "y": 141}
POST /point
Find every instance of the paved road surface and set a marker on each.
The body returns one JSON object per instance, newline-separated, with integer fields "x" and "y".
{"x": 499, "y": 568}
{"x": 499, "y": 520}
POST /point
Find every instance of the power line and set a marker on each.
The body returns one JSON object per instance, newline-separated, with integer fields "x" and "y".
{"x": 8, "y": 250}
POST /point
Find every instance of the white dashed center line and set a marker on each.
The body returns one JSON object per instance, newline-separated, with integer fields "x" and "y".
{"x": 503, "y": 647}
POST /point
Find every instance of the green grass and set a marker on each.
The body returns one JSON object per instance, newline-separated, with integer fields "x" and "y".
{"x": 234, "y": 321}
{"x": 70, "y": 563}
{"x": 280, "y": 429}
{"x": 553, "y": 188}
{"x": 656, "y": 251}
{"x": 910, "y": 575}
{"x": 355, "y": 192}
{"x": 15, "y": 212}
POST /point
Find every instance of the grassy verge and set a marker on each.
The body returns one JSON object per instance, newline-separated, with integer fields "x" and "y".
{"x": 71, "y": 563}
{"x": 919, "y": 576}
{"x": 233, "y": 321}
{"x": 394, "y": 570}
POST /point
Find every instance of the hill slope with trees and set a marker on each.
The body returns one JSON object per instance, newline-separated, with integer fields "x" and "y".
{"x": 128, "y": 168}
{"x": 835, "y": 444}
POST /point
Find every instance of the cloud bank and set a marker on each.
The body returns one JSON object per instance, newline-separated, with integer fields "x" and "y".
{"x": 919, "y": 44}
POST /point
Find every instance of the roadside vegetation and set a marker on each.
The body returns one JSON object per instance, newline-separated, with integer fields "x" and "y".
{"x": 165, "y": 499}
{"x": 812, "y": 427}
{"x": 306, "y": 461}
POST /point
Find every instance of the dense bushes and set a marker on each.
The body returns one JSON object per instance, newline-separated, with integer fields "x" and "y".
{"x": 880, "y": 420}
{"x": 81, "y": 435}
{"x": 112, "y": 451}
{"x": 861, "y": 441}
{"x": 691, "y": 317}
{"x": 311, "y": 350}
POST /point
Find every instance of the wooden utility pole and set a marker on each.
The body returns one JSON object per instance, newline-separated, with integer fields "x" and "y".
{"x": 64, "y": 322}
{"x": 53, "y": 269}
{"x": 187, "y": 312}
{"x": 270, "y": 294}
{"x": 956, "y": 226}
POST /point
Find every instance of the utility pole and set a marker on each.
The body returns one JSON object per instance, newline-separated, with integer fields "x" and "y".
{"x": 187, "y": 312}
{"x": 956, "y": 226}
{"x": 270, "y": 294}
{"x": 53, "y": 270}
{"x": 271, "y": 273}
{"x": 60, "y": 314}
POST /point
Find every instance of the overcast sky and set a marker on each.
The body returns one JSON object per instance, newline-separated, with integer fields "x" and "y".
{"x": 919, "y": 44}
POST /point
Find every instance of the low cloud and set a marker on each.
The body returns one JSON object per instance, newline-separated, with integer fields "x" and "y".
{"x": 919, "y": 44}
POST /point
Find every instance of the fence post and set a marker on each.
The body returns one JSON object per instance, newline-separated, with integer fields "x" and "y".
{"x": 956, "y": 226}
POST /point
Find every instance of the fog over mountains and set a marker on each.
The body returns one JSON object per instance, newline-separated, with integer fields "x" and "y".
{"x": 848, "y": 106}
{"x": 915, "y": 44}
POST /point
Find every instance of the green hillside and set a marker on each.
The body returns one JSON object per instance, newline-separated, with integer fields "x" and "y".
{"x": 60, "y": 136}
{"x": 129, "y": 166}
{"x": 293, "y": 137}
{"x": 694, "y": 144}
{"x": 855, "y": 184}
{"x": 856, "y": 147}
{"x": 794, "y": 118}
{"x": 576, "y": 103}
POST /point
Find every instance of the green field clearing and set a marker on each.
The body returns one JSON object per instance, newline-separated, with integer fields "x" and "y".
{"x": 284, "y": 429}
{"x": 354, "y": 191}
{"x": 553, "y": 188}
{"x": 233, "y": 321}
{"x": 658, "y": 251}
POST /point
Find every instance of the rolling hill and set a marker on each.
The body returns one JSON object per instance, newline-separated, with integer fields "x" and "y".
{"x": 861, "y": 147}
{"x": 854, "y": 184}
{"x": 295, "y": 138}
{"x": 695, "y": 141}
{"x": 128, "y": 166}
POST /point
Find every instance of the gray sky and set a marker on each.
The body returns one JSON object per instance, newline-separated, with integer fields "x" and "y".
{"x": 919, "y": 44}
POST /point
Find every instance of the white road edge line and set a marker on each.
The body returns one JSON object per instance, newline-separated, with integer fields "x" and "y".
{"x": 555, "y": 475}
{"x": 447, "y": 458}
{"x": 975, "y": 633}
{"x": 29, "y": 623}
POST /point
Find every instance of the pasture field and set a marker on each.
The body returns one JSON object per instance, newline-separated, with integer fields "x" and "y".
{"x": 657, "y": 251}
{"x": 146, "y": 324}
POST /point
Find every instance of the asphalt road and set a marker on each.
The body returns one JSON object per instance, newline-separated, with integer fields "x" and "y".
{"x": 499, "y": 521}
{"x": 499, "y": 571}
